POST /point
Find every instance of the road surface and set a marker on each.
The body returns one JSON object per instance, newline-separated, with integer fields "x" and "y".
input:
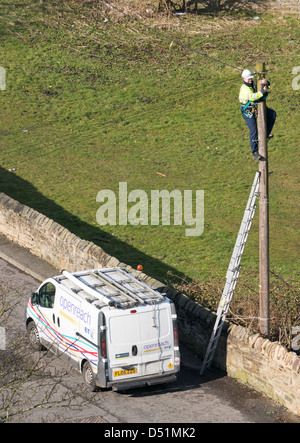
{"x": 58, "y": 394}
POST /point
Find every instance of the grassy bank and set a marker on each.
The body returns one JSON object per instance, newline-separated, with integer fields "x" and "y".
{"x": 93, "y": 99}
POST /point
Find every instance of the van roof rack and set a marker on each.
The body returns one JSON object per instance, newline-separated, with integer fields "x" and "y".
{"x": 112, "y": 287}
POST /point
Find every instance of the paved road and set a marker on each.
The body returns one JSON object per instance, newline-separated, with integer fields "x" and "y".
{"x": 192, "y": 399}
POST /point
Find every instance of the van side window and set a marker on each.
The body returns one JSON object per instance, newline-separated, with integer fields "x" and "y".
{"x": 47, "y": 295}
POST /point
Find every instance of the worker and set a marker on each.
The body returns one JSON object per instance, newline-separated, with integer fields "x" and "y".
{"x": 249, "y": 99}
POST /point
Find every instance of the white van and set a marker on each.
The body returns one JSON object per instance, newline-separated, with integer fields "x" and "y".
{"x": 115, "y": 329}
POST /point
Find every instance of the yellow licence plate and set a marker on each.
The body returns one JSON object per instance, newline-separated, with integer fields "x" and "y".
{"x": 125, "y": 372}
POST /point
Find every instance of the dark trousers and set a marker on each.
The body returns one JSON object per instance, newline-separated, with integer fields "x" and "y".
{"x": 252, "y": 125}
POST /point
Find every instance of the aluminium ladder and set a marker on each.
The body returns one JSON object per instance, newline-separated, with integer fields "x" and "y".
{"x": 232, "y": 273}
{"x": 113, "y": 287}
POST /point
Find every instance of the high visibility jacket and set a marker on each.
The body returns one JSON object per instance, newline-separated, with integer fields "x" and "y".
{"x": 248, "y": 98}
{"x": 247, "y": 94}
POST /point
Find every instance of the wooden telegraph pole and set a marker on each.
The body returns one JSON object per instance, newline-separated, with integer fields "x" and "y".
{"x": 263, "y": 211}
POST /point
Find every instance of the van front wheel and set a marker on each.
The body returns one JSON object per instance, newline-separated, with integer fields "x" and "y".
{"x": 34, "y": 338}
{"x": 89, "y": 377}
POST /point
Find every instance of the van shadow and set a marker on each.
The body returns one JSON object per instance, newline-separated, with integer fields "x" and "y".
{"x": 25, "y": 193}
{"x": 188, "y": 379}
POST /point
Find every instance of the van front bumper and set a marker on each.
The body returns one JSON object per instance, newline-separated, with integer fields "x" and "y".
{"x": 140, "y": 382}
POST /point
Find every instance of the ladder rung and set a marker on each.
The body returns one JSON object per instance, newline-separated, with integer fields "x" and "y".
{"x": 128, "y": 280}
{"x": 99, "y": 285}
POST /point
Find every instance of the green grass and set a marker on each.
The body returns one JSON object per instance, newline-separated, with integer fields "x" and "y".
{"x": 105, "y": 102}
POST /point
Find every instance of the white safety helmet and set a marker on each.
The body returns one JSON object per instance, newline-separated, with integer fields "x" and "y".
{"x": 247, "y": 74}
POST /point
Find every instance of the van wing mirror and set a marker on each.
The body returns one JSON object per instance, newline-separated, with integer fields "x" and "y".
{"x": 35, "y": 298}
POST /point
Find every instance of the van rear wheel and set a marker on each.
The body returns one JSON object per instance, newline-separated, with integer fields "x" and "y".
{"x": 89, "y": 377}
{"x": 34, "y": 338}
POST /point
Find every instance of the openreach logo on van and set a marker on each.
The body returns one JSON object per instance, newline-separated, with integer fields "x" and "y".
{"x": 160, "y": 207}
{"x": 75, "y": 311}
{"x": 156, "y": 346}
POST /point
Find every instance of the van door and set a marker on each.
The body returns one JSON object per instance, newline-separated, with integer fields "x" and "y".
{"x": 157, "y": 340}
{"x": 68, "y": 319}
{"x": 47, "y": 321}
{"x": 124, "y": 345}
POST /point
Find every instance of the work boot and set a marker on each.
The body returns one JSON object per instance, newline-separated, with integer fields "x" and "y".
{"x": 257, "y": 156}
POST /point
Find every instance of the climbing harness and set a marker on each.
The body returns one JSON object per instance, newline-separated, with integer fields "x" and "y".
{"x": 248, "y": 109}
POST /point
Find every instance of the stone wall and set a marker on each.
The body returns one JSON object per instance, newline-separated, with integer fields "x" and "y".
{"x": 265, "y": 366}
{"x": 49, "y": 240}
